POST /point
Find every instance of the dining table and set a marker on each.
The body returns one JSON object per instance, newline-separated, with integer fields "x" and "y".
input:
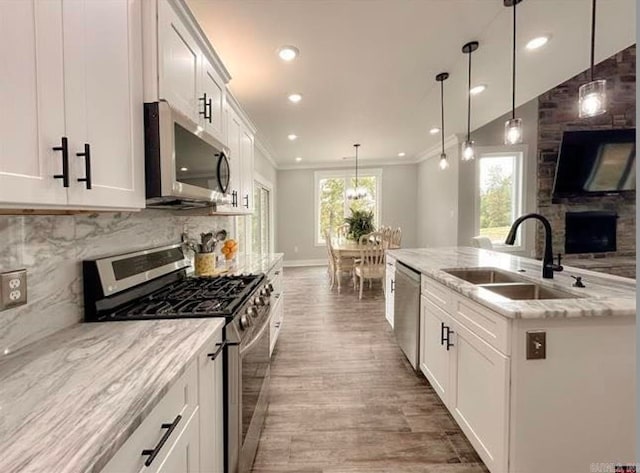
{"x": 347, "y": 250}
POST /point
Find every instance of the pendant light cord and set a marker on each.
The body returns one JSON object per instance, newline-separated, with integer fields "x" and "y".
{"x": 513, "y": 74}
{"x": 442, "y": 113}
{"x": 593, "y": 37}
{"x": 469, "y": 102}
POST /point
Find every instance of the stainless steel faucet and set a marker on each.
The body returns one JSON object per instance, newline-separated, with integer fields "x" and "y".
{"x": 548, "y": 266}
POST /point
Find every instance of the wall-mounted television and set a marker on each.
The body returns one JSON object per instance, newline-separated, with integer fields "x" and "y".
{"x": 596, "y": 162}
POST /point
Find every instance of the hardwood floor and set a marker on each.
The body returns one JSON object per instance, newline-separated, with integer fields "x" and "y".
{"x": 343, "y": 397}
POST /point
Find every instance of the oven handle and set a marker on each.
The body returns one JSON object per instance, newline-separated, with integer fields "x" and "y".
{"x": 221, "y": 346}
{"x": 255, "y": 339}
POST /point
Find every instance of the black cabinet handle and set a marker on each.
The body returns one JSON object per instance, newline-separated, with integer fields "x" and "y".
{"x": 220, "y": 346}
{"x": 393, "y": 285}
{"x": 64, "y": 147}
{"x": 87, "y": 165}
{"x": 234, "y": 198}
{"x": 154, "y": 453}
{"x": 204, "y": 106}
{"x": 278, "y": 324}
{"x": 246, "y": 201}
{"x": 209, "y": 105}
{"x": 443, "y": 338}
{"x": 449, "y": 342}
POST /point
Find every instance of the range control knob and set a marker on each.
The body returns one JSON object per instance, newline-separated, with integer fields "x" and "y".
{"x": 270, "y": 287}
{"x": 259, "y": 301}
{"x": 245, "y": 321}
{"x": 265, "y": 292}
{"x": 251, "y": 311}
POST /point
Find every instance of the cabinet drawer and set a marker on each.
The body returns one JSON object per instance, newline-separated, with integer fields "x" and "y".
{"x": 182, "y": 399}
{"x": 437, "y": 293}
{"x": 490, "y": 327}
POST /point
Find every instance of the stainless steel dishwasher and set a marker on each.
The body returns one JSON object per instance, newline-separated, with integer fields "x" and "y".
{"x": 406, "y": 309}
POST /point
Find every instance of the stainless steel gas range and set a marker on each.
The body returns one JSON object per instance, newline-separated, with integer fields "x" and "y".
{"x": 153, "y": 284}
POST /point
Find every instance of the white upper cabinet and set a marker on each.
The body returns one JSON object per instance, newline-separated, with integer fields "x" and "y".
{"x": 31, "y": 102}
{"x": 179, "y": 60}
{"x": 103, "y": 69}
{"x": 234, "y": 128}
{"x": 246, "y": 172}
{"x": 71, "y": 128}
{"x": 213, "y": 98}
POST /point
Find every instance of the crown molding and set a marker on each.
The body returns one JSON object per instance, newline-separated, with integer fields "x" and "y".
{"x": 265, "y": 149}
{"x": 345, "y": 164}
{"x": 231, "y": 100}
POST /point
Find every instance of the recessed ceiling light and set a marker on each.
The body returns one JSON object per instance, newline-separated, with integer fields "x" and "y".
{"x": 298, "y": 159}
{"x": 478, "y": 89}
{"x": 184, "y": 169}
{"x": 402, "y": 154}
{"x": 288, "y": 53}
{"x": 292, "y": 137}
{"x": 538, "y": 42}
{"x": 295, "y": 98}
{"x": 435, "y": 130}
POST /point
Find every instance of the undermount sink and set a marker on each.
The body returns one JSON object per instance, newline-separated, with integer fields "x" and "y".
{"x": 527, "y": 291}
{"x": 508, "y": 285}
{"x": 484, "y": 275}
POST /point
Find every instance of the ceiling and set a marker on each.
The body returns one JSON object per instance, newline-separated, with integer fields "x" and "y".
{"x": 366, "y": 67}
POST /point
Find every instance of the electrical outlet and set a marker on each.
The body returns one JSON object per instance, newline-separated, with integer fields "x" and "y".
{"x": 536, "y": 345}
{"x": 13, "y": 289}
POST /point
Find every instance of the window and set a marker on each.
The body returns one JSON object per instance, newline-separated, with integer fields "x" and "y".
{"x": 331, "y": 203}
{"x": 500, "y": 194}
{"x": 261, "y": 220}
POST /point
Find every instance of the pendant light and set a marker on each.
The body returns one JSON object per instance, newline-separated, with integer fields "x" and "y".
{"x": 444, "y": 164}
{"x": 513, "y": 126}
{"x": 468, "y": 151}
{"x": 593, "y": 95}
{"x": 357, "y": 192}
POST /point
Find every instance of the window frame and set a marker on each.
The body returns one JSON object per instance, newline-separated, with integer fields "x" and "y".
{"x": 520, "y": 154}
{"x": 261, "y": 181}
{"x": 344, "y": 174}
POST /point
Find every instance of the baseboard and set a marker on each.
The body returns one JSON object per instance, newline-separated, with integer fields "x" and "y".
{"x": 296, "y": 263}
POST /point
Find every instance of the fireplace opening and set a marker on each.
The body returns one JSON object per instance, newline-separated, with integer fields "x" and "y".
{"x": 590, "y": 232}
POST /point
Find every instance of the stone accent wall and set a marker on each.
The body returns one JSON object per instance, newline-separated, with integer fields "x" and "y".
{"x": 558, "y": 112}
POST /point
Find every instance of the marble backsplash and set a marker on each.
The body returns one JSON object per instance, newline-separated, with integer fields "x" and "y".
{"x": 52, "y": 248}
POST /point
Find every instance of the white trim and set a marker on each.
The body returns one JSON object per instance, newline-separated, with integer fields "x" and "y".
{"x": 298, "y": 263}
{"x": 520, "y": 152}
{"x": 268, "y": 185}
{"x": 343, "y": 173}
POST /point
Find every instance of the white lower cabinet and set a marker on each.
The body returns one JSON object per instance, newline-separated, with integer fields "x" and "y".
{"x": 525, "y": 415}
{"x": 435, "y": 359}
{"x": 389, "y": 289}
{"x": 479, "y": 399}
{"x": 184, "y": 432}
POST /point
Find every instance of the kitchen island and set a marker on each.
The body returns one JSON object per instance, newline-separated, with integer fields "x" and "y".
{"x": 538, "y": 373}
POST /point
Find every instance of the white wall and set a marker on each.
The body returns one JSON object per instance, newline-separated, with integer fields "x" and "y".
{"x": 437, "y": 209}
{"x": 295, "y": 204}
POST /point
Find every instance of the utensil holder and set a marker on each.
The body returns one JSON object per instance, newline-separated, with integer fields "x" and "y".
{"x": 205, "y": 264}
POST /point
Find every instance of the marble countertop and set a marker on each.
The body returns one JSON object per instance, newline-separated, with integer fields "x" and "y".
{"x": 256, "y": 263}
{"x": 604, "y": 295}
{"x": 69, "y": 401}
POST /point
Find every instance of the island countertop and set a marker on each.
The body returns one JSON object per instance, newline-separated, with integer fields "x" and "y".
{"x": 604, "y": 294}
{"x": 70, "y": 400}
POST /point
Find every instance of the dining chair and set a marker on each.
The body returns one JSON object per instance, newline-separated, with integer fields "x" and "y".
{"x": 371, "y": 262}
{"x": 342, "y": 230}
{"x": 396, "y": 237}
{"x": 340, "y": 265}
{"x": 482, "y": 242}
{"x": 330, "y": 258}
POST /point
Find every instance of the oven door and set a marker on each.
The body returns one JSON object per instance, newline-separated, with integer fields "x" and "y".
{"x": 254, "y": 359}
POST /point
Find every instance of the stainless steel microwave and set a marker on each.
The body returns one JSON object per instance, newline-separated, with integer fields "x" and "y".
{"x": 185, "y": 167}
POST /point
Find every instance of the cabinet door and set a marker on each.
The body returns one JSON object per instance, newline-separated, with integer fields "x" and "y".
{"x": 480, "y": 396}
{"x": 103, "y": 90}
{"x": 184, "y": 455}
{"x": 31, "y": 102}
{"x": 434, "y": 356}
{"x": 178, "y": 64}
{"x": 233, "y": 139}
{"x": 246, "y": 164}
{"x": 390, "y": 275}
{"x": 213, "y": 87}
{"x": 210, "y": 396}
